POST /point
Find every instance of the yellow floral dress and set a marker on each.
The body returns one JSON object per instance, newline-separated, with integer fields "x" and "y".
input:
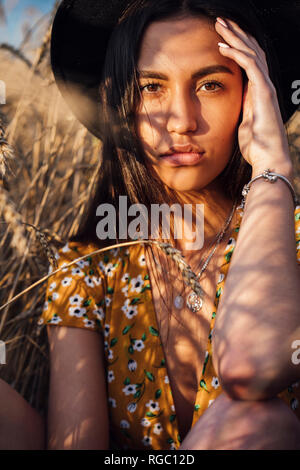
{"x": 110, "y": 293}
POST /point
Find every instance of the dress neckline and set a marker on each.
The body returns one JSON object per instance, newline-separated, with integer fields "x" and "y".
{"x": 226, "y": 260}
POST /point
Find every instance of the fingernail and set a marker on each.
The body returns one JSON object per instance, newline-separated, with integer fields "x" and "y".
{"x": 222, "y": 44}
{"x": 222, "y": 22}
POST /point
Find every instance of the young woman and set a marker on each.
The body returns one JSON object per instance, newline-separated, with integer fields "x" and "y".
{"x": 139, "y": 361}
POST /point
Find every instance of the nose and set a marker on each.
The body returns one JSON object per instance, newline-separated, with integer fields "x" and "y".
{"x": 182, "y": 113}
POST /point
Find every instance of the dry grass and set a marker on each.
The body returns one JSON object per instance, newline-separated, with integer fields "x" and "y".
{"x": 49, "y": 159}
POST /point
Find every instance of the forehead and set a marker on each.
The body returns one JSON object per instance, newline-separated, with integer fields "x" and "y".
{"x": 176, "y": 41}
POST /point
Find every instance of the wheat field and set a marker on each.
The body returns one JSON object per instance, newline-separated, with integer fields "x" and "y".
{"x": 48, "y": 163}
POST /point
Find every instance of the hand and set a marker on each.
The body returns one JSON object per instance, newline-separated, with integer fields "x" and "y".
{"x": 262, "y": 137}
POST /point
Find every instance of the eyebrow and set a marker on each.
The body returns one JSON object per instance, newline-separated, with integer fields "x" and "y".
{"x": 198, "y": 74}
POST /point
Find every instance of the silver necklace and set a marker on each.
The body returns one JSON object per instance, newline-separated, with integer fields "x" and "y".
{"x": 193, "y": 301}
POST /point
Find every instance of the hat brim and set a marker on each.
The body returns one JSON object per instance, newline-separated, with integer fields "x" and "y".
{"x": 80, "y": 34}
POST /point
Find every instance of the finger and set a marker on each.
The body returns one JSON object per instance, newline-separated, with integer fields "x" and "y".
{"x": 242, "y": 43}
{"x": 234, "y": 39}
{"x": 247, "y": 36}
{"x": 253, "y": 67}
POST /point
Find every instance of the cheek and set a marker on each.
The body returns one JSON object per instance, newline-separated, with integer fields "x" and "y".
{"x": 148, "y": 132}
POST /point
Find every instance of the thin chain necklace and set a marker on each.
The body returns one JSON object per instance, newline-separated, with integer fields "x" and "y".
{"x": 193, "y": 301}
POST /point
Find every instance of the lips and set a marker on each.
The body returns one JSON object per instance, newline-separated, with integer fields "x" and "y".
{"x": 183, "y": 159}
{"x": 183, "y": 155}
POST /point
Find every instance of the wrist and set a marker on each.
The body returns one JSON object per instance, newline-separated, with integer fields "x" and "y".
{"x": 282, "y": 169}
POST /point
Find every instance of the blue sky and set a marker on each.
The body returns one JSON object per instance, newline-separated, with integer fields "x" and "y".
{"x": 21, "y": 14}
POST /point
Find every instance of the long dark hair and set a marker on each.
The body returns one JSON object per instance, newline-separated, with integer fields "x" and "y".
{"x": 123, "y": 171}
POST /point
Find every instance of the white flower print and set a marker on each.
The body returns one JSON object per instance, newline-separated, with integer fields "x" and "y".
{"x": 105, "y": 345}
{"x": 65, "y": 269}
{"x": 136, "y": 284}
{"x": 77, "y": 272}
{"x": 50, "y": 269}
{"x": 75, "y": 300}
{"x": 142, "y": 260}
{"x": 88, "y": 323}
{"x": 173, "y": 408}
{"x": 153, "y": 405}
{"x": 138, "y": 345}
{"x": 77, "y": 311}
{"x": 109, "y": 270}
{"x": 132, "y": 365}
{"x": 221, "y": 277}
{"x": 97, "y": 280}
{"x": 112, "y": 402}
{"x": 210, "y": 402}
{"x": 57, "y": 255}
{"x": 110, "y": 376}
{"x": 55, "y": 296}
{"x": 129, "y": 389}
{"x": 131, "y": 407}
{"x": 173, "y": 447}
{"x": 52, "y": 286}
{"x": 157, "y": 428}
{"x": 89, "y": 281}
{"x": 82, "y": 263}
{"x": 125, "y": 277}
{"x": 106, "y": 329}
{"x": 55, "y": 320}
{"x": 45, "y": 306}
{"x": 110, "y": 354}
{"x": 125, "y": 290}
{"x": 66, "y": 281}
{"x": 101, "y": 266}
{"x": 231, "y": 243}
{"x": 215, "y": 382}
{"x": 99, "y": 312}
{"x": 147, "y": 440}
{"x": 166, "y": 379}
{"x": 107, "y": 301}
{"x": 129, "y": 310}
{"x": 145, "y": 422}
{"x": 66, "y": 248}
{"x": 124, "y": 424}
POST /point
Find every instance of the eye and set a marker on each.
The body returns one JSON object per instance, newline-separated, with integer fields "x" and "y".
{"x": 214, "y": 83}
{"x": 150, "y": 87}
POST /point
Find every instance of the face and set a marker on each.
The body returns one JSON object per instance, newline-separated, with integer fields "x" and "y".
{"x": 191, "y": 99}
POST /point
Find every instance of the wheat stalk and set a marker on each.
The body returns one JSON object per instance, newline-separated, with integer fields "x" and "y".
{"x": 6, "y": 152}
{"x": 173, "y": 253}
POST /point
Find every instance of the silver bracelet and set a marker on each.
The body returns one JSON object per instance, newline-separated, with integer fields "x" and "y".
{"x": 271, "y": 178}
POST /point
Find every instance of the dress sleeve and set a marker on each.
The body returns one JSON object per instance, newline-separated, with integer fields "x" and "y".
{"x": 297, "y": 232}
{"x": 75, "y": 296}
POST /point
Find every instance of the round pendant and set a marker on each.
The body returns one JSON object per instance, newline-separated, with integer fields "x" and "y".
{"x": 194, "y": 302}
{"x": 178, "y": 301}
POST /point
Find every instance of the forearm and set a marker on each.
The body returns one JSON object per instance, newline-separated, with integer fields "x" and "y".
{"x": 258, "y": 314}
{"x": 21, "y": 427}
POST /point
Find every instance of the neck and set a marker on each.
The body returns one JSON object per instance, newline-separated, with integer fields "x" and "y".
{"x": 216, "y": 209}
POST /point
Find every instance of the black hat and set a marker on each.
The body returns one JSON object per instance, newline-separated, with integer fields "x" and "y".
{"x": 82, "y": 28}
